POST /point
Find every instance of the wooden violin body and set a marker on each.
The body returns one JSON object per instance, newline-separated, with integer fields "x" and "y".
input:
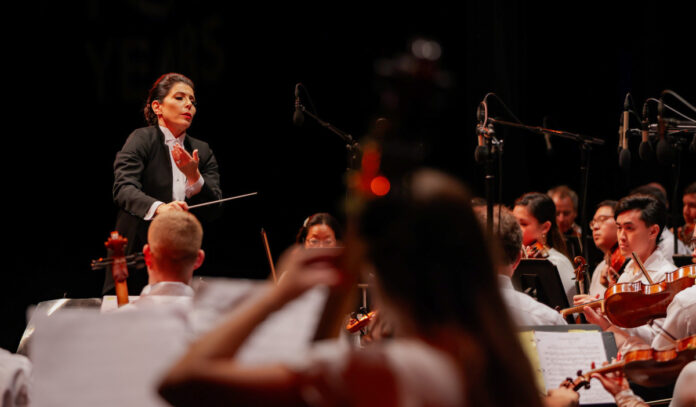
{"x": 536, "y": 250}
{"x": 686, "y": 232}
{"x": 356, "y": 324}
{"x": 630, "y": 305}
{"x": 615, "y": 266}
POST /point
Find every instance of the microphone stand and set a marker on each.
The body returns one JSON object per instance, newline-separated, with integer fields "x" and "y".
{"x": 676, "y": 133}
{"x": 352, "y": 146}
{"x": 585, "y": 143}
{"x": 495, "y": 146}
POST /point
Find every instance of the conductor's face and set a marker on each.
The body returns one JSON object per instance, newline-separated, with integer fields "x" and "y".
{"x": 177, "y": 109}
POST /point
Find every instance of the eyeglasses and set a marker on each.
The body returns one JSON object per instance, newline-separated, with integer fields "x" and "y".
{"x": 599, "y": 220}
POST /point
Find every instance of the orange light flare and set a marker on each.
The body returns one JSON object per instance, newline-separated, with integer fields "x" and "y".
{"x": 380, "y": 185}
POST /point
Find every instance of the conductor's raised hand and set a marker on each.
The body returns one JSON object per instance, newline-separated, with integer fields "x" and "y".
{"x": 187, "y": 163}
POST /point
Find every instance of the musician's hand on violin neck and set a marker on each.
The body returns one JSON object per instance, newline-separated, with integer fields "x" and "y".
{"x": 584, "y": 299}
{"x": 596, "y": 317}
{"x": 613, "y": 382}
{"x": 172, "y": 206}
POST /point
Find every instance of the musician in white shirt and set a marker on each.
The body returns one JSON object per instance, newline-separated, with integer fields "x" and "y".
{"x": 525, "y": 310}
{"x": 172, "y": 253}
{"x": 639, "y": 221}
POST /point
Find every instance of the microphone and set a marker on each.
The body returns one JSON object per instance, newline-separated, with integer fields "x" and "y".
{"x": 624, "y": 152}
{"x": 665, "y": 152}
{"x": 547, "y": 138}
{"x": 645, "y": 151}
{"x": 298, "y": 116}
{"x": 481, "y": 152}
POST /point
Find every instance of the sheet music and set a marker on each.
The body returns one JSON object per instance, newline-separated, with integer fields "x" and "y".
{"x": 84, "y": 358}
{"x": 110, "y": 302}
{"x": 561, "y": 354}
{"x": 287, "y": 334}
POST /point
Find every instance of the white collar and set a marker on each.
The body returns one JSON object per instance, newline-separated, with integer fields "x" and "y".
{"x": 656, "y": 259}
{"x": 168, "y": 135}
{"x": 505, "y": 282}
{"x": 168, "y": 288}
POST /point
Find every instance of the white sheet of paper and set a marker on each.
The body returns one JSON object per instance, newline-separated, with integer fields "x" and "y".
{"x": 84, "y": 358}
{"x": 110, "y": 302}
{"x": 287, "y": 334}
{"x": 283, "y": 337}
{"x": 561, "y": 354}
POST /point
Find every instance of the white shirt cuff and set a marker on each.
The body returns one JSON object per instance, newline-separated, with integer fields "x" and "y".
{"x": 194, "y": 188}
{"x": 151, "y": 213}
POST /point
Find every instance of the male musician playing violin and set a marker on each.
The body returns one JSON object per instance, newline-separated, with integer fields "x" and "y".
{"x": 639, "y": 221}
{"x": 607, "y": 272}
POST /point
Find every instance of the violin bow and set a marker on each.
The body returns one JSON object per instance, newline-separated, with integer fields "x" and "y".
{"x": 268, "y": 254}
{"x": 222, "y": 200}
{"x": 642, "y": 268}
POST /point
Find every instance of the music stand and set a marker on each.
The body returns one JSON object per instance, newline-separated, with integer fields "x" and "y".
{"x": 681, "y": 260}
{"x": 539, "y": 278}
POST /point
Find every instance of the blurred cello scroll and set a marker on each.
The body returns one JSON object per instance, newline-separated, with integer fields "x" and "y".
{"x": 119, "y": 265}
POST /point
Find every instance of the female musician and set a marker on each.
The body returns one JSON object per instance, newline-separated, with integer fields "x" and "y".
{"x": 454, "y": 343}
{"x": 536, "y": 214}
{"x": 160, "y": 167}
{"x": 603, "y": 228}
{"x": 320, "y": 230}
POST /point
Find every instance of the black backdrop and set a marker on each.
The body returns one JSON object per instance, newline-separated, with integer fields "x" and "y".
{"x": 80, "y": 73}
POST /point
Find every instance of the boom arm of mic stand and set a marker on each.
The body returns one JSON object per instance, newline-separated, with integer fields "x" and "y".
{"x": 347, "y": 138}
{"x": 542, "y": 131}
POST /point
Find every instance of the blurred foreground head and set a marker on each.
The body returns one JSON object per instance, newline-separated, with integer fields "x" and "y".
{"x": 428, "y": 250}
{"x": 434, "y": 268}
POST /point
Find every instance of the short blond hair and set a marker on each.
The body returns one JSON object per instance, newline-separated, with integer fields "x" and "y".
{"x": 175, "y": 239}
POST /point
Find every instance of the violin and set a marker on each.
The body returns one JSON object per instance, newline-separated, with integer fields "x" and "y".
{"x": 685, "y": 233}
{"x": 615, "y": 266}
{"x": 536, "y": 250}
{"x": 360, "y": 321}
{"x": 633, "y": 304}
{"x": 646, "y": 367}
{"x": 629, "y": 305}
{"x": 580, "y": 269}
